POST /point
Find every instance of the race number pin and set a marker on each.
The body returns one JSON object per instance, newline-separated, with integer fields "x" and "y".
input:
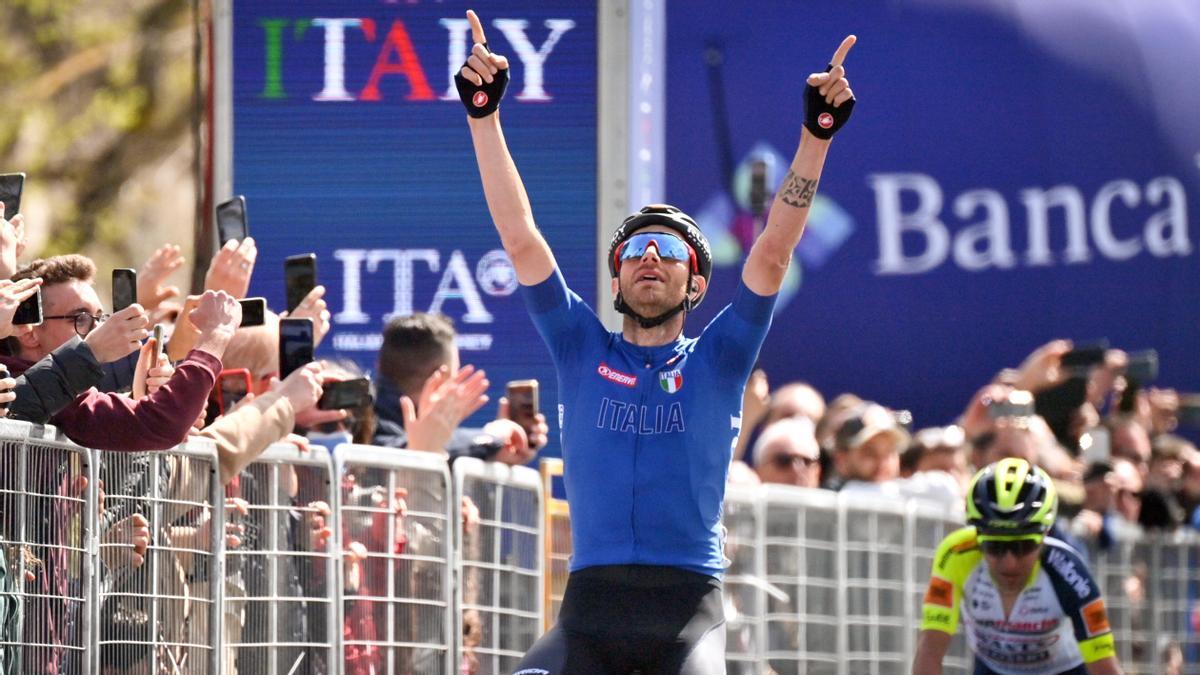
{"x": 480, "y": 99}
{"x": 824, "y": 119}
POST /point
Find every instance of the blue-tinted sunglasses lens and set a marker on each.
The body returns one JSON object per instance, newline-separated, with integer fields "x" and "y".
{"x": 669, "y": 246}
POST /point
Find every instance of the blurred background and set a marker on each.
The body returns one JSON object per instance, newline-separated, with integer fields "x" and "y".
{"x": 101, "y": 104}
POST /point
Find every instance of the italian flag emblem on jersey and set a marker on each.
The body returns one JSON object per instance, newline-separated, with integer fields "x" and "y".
{"x": 671, "y": 381}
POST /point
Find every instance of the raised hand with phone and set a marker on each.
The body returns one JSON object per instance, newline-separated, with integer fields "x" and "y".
{"x": 12, "y": 295}
{"x": 153, "y": 369}
{"x": 519, "y": 425}
{"x": 231, "y": 220}
{"x": 119, "y": 335}
{"x": 312, "y": 306}
{"x": 12, "y": 223}
{"x": 67, "y": 397}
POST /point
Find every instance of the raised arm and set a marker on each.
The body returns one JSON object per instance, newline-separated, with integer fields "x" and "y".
{"x": 481, "y": 84}
{"x": 828, "y": 102}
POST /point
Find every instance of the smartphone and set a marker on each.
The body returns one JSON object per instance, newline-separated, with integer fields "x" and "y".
{"x": 1189, "y": 411}
{"x": 11, "y": 185}
{"x": 1095, "y": 445}
{"x": 3, "y": 374}
{"x": 254, "y": 312}
{"x": 124, "y": 288}
{"x": 29, "y": 312}
{"x": 1086, "y": 354}
{"x": 345, "y": 394}
{"x": 159, "y": 348}
{"x": 232, "y": 386}
{"x": 1060, "y": 400}
{"x": 1015, "y": 404}
{"x": 295, "y": 344}
{"x": 523, "y": 403}
{"x": 231, "y": 220}
{"x": 1143, "y": 366}
{"x": 300, "y": 277}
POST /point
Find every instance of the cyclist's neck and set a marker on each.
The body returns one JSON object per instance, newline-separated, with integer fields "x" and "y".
{"x": 664, "y": 334}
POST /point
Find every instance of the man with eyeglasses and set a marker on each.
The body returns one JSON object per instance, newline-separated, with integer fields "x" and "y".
{"x": 1027, "y": 600}
{"x": 649, "y": 417}
{"x": 64, "y": 354}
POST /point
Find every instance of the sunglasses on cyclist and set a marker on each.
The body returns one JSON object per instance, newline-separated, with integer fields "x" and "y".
{"x": 668, "y": 246}
{"x": 1018, "y": 547}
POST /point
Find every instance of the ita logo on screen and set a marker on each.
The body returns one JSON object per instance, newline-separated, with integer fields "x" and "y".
{"x": 419, "y": 280}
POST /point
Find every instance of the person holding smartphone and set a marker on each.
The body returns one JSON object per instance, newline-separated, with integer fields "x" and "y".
{"x": 12, "y": 241}
{"x": 649, "y": 430}
{"x": 107, "y": 421}
{"x": 423, "y": 394}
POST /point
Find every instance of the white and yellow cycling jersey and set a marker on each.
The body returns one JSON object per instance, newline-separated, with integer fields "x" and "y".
{"x": 1057, "y": 624}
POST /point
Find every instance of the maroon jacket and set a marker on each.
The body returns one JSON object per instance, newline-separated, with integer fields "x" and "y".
{"x": 162, "y": 420}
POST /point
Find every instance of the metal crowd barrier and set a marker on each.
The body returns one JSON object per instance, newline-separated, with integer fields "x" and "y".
{"x": 825, "y": 582}
{"x": 556, "y": 517}
{"x": 280, "y": 613}
{"x": 499, "y": 563}
{"x": 380, "y": 561}
{"x": 46, "y": 572}
{"x": 160, "y": 613}
{"x": 1152, "y": 592}
{"x": 397, "y": 522}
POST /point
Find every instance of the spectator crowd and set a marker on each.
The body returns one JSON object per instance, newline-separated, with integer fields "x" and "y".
{"x": 1088, "y": 416}
{"x": 105, "y": 382}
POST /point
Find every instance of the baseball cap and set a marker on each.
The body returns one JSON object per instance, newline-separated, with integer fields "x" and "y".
{"x": 868, "y": 421}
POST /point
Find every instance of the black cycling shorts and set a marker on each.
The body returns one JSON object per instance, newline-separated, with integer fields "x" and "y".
{"x": 624, "y": 619}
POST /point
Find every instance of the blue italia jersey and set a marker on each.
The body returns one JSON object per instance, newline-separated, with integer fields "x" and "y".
{"x": 648, "y": 432}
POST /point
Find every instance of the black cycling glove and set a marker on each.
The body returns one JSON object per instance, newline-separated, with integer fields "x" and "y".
{"x": 821, "y": 118}
{"x": 481, "y": 100}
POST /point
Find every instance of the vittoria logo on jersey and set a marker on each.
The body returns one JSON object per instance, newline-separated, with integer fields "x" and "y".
{"x": 671, "y": 381}
{"x": 1066, "y": 567}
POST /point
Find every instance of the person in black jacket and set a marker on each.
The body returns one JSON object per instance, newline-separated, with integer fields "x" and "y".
{"x": 422, "y": 396}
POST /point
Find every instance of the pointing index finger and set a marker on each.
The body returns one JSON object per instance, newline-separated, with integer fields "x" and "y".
{"x": 476, "y": 27}
{"x": 843, "y": 49}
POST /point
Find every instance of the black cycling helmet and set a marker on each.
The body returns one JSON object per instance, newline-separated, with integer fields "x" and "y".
{"x": 1011, "y": 498}
{"x": 671, "y": 217}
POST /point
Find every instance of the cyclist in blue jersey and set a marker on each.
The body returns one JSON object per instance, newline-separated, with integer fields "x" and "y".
{"x": 649, "y": 417}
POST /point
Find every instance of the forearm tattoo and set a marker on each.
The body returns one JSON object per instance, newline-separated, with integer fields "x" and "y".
{"x": 797, "y": 191}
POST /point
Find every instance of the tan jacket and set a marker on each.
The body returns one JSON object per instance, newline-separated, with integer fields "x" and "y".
{"x": 243, "y": 434}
